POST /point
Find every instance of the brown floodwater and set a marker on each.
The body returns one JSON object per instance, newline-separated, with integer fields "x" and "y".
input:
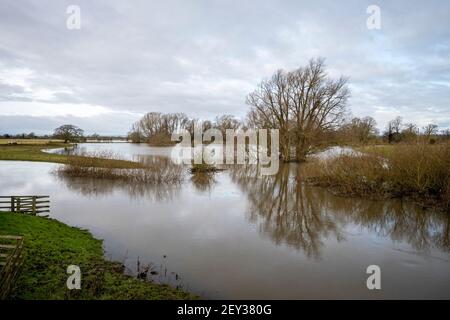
{"x": 241, "y": 236}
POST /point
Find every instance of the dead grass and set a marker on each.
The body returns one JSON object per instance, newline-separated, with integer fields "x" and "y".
{"x": 419, "y": 171}
{"x": 103, "y": 165}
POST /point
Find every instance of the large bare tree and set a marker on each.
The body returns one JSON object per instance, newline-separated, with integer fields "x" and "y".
{"x": 303, "y": 104}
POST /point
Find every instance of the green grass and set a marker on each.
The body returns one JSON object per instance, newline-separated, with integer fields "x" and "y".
{"x": 33, "y": 152}
{"x": 51, "y": 246}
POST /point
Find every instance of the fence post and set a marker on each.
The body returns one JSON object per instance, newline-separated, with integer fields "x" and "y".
{"x": 18, "y": 204}
{"x": 33, "y": 206}
{"x": 12, "y": 204}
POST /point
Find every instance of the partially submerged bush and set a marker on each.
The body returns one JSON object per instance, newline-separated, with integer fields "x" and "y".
{"x": 203, "y": 181}
{"x": 349, "y": 174}
{"x": 420, "y": 171}
{"x": 203, "y": 168}
{"x": 105, "y": 166}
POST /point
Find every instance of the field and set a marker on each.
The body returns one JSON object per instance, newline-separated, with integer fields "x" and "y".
{"x": 31, "y": 141}
{"x": 51, "y": 246}
{"x": 33, "y": 152}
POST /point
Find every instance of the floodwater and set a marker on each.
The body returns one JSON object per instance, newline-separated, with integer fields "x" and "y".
{"x": 241, "y": 236}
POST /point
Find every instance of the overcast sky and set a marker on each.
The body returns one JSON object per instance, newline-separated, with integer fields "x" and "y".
{"x": 203, "y": 57}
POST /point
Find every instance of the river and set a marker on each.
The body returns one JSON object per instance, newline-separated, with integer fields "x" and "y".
{"x": 241, "y": 236}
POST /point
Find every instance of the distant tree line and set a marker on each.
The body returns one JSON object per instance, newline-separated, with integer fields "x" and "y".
{"x": 397, "y": 131}
{"x": 67, "y": 132}
{"x": 30, "y": 135}
{"x": 157, "y": 128}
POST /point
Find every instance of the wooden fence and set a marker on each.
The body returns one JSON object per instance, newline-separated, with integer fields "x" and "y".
{"x": 11, "y": 258}
{"x": 25, "y": 204}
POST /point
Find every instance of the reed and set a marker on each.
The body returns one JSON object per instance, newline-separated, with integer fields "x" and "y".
{"x": 93, "y": 165}
{"x": 420, "y": 171}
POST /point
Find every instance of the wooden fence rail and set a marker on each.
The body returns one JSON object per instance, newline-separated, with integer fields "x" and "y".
{"x": 11, "y": 258}
{"x": 25, "y": 204}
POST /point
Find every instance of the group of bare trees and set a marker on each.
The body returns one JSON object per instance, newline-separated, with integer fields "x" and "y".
{"x": 358, "y": 130}
{"x": 397, "y": 131}
{"x": 304, "y": 105}
{"x": 157, "y": 128}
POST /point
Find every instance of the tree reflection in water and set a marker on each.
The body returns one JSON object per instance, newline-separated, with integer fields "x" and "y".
{"x": 302, "y": 216}
{"x": 292, "y": 213}
{"x": 203, "y": 181}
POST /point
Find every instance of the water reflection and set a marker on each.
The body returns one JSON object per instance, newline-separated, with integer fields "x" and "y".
{"x": 285, "y": 210}
{"x": 238, "y": 235}
{"x": 301, "y": 216}
{"x": 203, "y": 181}
{"x": 103, "y": 187}
{"x": 401, "y": 221}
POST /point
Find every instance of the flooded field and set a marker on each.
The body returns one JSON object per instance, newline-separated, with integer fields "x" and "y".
{"x": 241, "y": 236}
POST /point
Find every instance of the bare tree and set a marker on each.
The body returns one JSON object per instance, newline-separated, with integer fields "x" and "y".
{"x": 135, "y": 134}
{"x": 410, "y": 132}
{"x": 430, "y": 129}
{"x": 302, "y": 104}
{"x": 361, "y": 130}
{"x": 225, "y": 122}
{"x": 393, "y": 130}
{"x": 445, "y": 134}
{"x": 157, "y": 128}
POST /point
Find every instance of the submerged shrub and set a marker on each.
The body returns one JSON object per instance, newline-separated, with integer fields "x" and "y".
{"x": 106, "y": 165}
{"x": 203, "y": 168}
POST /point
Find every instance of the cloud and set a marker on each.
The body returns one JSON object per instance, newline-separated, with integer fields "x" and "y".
{"x": 107, "y": 124}
{"x": 203, "y": 57}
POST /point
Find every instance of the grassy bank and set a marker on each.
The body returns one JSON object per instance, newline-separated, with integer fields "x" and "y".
{"x": 419, "y": 171}
{"x": 33, "y": 152}
{"x": 51, "y": 246}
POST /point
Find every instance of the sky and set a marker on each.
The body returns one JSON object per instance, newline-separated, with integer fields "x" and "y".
{"x": 202, "y": 57}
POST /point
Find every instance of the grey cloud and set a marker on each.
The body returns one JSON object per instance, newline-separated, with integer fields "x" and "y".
{"x": 203, "y": 57}
{"x": 109, "y": 124}
{"x": 12, "y": 93}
